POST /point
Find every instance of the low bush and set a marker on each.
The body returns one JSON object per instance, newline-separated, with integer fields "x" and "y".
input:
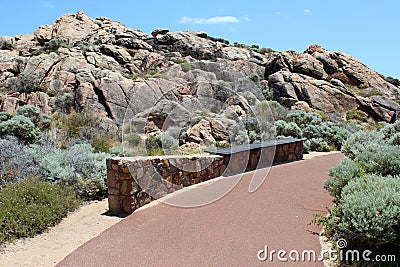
{"x": 118, "y": 151}
{"x": 184, "y": 65}
{"x": 21, "y": 127}
{"x": 84, "y": 127}
{"x": 6, "y": 45}
{"x": 28, "y": 208}
{"x": 390, "y": 130}
{"x": 169, "y": 144}
{"x": 42, "y": 121}
{"x": 134, "y": 140}
{"x": 55, "y": 44}
{"x": 382, "y": 160}
{"x": 357, "y": 115}
{"x": 331, "y": 133}
{"x": 317, "y": 144}
{"x": 362, "y": 141}
{"x": 78, "y": 166}
{"x": 303, "y": 118}
{"x": 366, "y": 185}
{"x": 288, "y": 129}
{"x": 154, "y": 146}
{"x": 16, "y": 162}
{"x": 339, "y": 76}
{"x": 64, "y": 103}
{"x": 346, "y": 171}
{"x": 270, "y": 110}
{"x": 26, "y": 83}
{"x": 368, "y": 214}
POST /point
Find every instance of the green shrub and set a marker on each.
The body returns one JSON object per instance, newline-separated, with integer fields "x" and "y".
{"x": 6, "y": 45}
{"x": 362, "y": 141}
{"x": 132, "y": 52}
{"x": 334, "y": 135}
{"x": 21, "y": 127}
{"x": 339, "y": 76}
{"x": 30, "y": 207}
{"x": 134, "y": 140}
{"x": 250, "y": 97}
{"x": 254, "y": 77}
{"x": 184, "y": 65}
{"x": 303, "y": 118}
{"x": 271, "y": 110}
{"x": 78, "y": 166}
{"x": 266, "y": 51}
{"x": 55, "y": 44}
{"x": 218, "y": 39}
{"x": 389, "y": 130}
{"x": 118, "y": 151}
{"x": 346, "y": 171}
{"x": 317, "y": 144}
{"x": 64, "y": 102}
{"x": 169, "y": 144}
{"x": 42, "y": 121}
{"x": 5, "y": 116}
{"x": 357, "y": 115}
{"x": 367, "y": 187}
{"x": 381, "y": 159}
{"x": 102, "y": 144}
{"x": 363, "y": 86}
{"x": 288, "y": 129}
{"x": 222, "y": 144}
{"x": 26, "y": 83}
{"x": 82, "y": 127}
{"x": 154, "y": 146}
{"x": 369, "y": 211}
{"x": 31, "y": 112}
{"x": 241, "y": 138}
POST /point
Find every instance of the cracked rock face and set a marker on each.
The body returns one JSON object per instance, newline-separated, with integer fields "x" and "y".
{"x": 109, "y": 68}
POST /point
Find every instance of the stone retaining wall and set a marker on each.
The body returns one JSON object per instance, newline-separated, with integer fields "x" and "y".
{"x": 134, "y": 182}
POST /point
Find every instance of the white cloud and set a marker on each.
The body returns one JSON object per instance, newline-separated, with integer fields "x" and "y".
{"x": 307, "y": 11}
{"x": 48, "y": 4}
{"x": 213, "y": 20}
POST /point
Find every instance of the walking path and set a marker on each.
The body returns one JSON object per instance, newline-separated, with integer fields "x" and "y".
{"x": 229, "y": 232}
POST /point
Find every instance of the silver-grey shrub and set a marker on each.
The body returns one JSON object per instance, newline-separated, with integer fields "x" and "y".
{"x": 16, "y": 162}
{"x": 77, "y": 166}
{"x": 369, "y": 211}
{"x": 362, "y": 141}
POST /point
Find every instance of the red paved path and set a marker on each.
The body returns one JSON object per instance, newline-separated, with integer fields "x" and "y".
{"x": 228, "y": 232}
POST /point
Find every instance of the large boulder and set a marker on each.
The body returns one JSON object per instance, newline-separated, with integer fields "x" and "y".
{"x": 74, "y": 27}
{"x": 201, "y": 132}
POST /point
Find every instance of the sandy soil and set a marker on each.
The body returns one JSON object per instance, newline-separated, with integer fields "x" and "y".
{"x": 50, "y": 248}
{"x": 79, "y": 227}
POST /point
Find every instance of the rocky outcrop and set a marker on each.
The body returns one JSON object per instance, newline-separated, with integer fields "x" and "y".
{"x": 290, "y": 88}
{"x": 113, "y": 70}
{"x": 311, "y": 77}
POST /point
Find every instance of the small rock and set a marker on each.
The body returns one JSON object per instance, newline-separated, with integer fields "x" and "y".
{"x": 159, "y": 32}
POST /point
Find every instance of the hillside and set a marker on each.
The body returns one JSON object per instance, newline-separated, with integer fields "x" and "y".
{"x": 101, "y": 66}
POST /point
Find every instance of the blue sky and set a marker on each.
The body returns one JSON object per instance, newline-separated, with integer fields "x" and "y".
{"x": 367, "y": 30}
